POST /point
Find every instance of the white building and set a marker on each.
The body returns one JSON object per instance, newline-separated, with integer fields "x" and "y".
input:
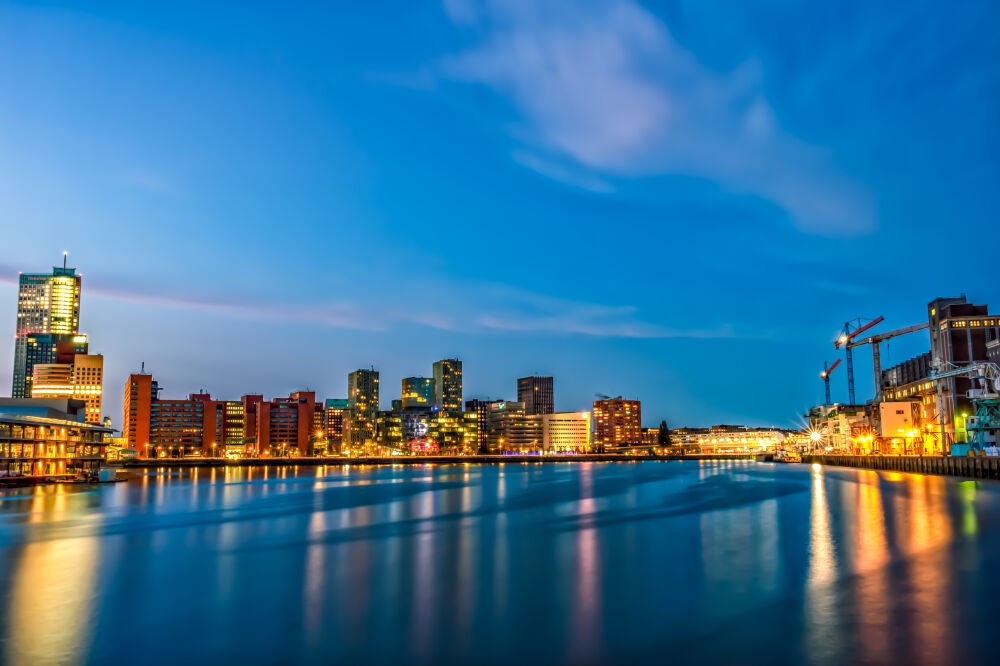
{"x": 564, "y": 432}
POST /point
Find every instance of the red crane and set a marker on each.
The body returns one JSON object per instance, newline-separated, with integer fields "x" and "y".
{"x": 874, "y": 341}
{"x": 845, "y": 337}
{"x": 826, "y": 378}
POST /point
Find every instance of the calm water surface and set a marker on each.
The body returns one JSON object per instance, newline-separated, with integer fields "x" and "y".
{"x": 605, "y": 562}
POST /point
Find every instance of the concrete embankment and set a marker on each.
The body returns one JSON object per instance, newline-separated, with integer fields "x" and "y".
{"x": 413, "y": 460}
{"x": 964, "y": 466}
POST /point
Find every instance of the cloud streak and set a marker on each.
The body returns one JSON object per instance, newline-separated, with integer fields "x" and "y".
{"x": 604, "y": 91}
{"x": 470, "y": 308}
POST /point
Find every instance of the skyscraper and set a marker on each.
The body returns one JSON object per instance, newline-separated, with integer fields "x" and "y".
{"x": 418, "y": 392}
{"x": 362, "y": 401}
{"x": 536, "y": 394}
{"x": 47, "y": 304}
{"x": 448, "y": 384}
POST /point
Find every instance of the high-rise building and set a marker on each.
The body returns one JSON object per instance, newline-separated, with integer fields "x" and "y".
{"x": 80, "y": 379}
{"x": 536, "y": 394}
{"x": 418, "y": 392}
{"x": 482, "y": 410}
{"x": 448, "y": 384}
{"x": 46, "y": 304}
{"x": 337, "y": 418}
{"x": 617, "y": 422}
{"x": 234, "y": 430}
{"x": 362, "y": 401}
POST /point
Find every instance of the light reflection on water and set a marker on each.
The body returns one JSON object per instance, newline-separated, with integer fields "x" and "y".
{"x": 570, "y": 562}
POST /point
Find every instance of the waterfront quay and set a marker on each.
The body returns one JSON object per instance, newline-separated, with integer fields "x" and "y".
{"x": 418, "y": 460}
{"x": 974, "y": 467}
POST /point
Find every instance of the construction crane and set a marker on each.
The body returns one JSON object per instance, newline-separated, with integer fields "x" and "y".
{"x": 875, "y": 341}
{"x": 826, "y": 378}
{"x": 845, "y": 337}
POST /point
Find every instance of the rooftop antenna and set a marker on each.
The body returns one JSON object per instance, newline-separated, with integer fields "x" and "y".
{"x": 65, "y": 253}
{"x": 142, "y": 370}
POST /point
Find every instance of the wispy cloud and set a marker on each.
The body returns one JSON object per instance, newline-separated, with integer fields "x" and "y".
{"x": 481, "y": 307}
{"x": 605, "y": 87}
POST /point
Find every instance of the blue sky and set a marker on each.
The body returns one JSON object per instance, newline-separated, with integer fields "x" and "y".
{"x": 676, "y": 201}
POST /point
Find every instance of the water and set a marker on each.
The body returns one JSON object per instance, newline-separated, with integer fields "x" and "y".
{"x": 604, "y": 562}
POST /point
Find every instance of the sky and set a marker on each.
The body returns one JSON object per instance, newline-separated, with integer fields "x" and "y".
{"x": 680, "y": 202}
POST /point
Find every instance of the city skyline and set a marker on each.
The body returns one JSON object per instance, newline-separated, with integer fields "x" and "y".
{"x": 306, "y": 190}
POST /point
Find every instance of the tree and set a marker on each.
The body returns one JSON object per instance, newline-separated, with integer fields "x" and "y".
{"x": 663, "y": 437}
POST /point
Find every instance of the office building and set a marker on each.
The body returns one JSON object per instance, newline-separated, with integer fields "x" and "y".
{"x": 287, "y": 426}
{"x": 48, "y": 437}
{"x": 81, "y": 379}
{"x": 159, "y": 428}
{"x": 509, "y": 429}
{"x": 617, "y": 422}
{"x": 536, "y": 394}
{"x": 234, "y": 426}
{"x": 45, "y": 349}
{"x": 427, "y": 430}
{"x": 47, "y": 304}
{"x": 481, "y": 408}
{"x": 566, "y": 432}
{"x": 200, "y": 425}
{"x": 448, "y": 384}
{"x": 337, "y": 418}
{"x": 362, "y": 401}
{"x": 417, "y": 392}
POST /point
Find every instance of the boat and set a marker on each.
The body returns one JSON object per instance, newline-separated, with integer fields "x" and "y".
{"x": 787, "y": 457}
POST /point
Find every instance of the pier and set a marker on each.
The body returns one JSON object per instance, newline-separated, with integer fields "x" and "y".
{"x": 973, "y": 467}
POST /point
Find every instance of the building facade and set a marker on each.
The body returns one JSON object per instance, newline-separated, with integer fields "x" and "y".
{"x": 447, "y": 375}
{"x": 960, "y": 333}
{"x": 417, "y": 392}
{"x": 48, "y": 437}
{"x": 617, "y": 423}
{"x": 537, "y": 394}
{"x": 363, "y": 402}
{"x": 287, "y": 426}
{"x": 47, "y": 304}
{"x": 566, "y": 432}
{"x": 337, "y": 418}
{"x": 81, "y": 379}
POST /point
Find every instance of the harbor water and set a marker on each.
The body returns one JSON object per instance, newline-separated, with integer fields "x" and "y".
{"x": 681, "y": 562}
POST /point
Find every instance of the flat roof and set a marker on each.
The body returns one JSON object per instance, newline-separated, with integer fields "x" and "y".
{"x": 21, "y": 419}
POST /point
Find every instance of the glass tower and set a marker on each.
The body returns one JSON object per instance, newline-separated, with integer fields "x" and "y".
{"x": 47, "y": 305}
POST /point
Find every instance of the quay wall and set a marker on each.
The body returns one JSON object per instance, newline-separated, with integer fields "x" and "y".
{"x": 978, "y": 467}
{"x": 414, "y": 460}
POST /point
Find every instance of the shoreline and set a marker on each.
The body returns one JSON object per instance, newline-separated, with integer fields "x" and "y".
{"x": 417, "y": 460}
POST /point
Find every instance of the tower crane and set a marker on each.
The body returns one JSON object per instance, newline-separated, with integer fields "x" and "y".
{"x": 826, "y": 377}
{"x": 845, "y": 337}
{"x": 875, "y": 341}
